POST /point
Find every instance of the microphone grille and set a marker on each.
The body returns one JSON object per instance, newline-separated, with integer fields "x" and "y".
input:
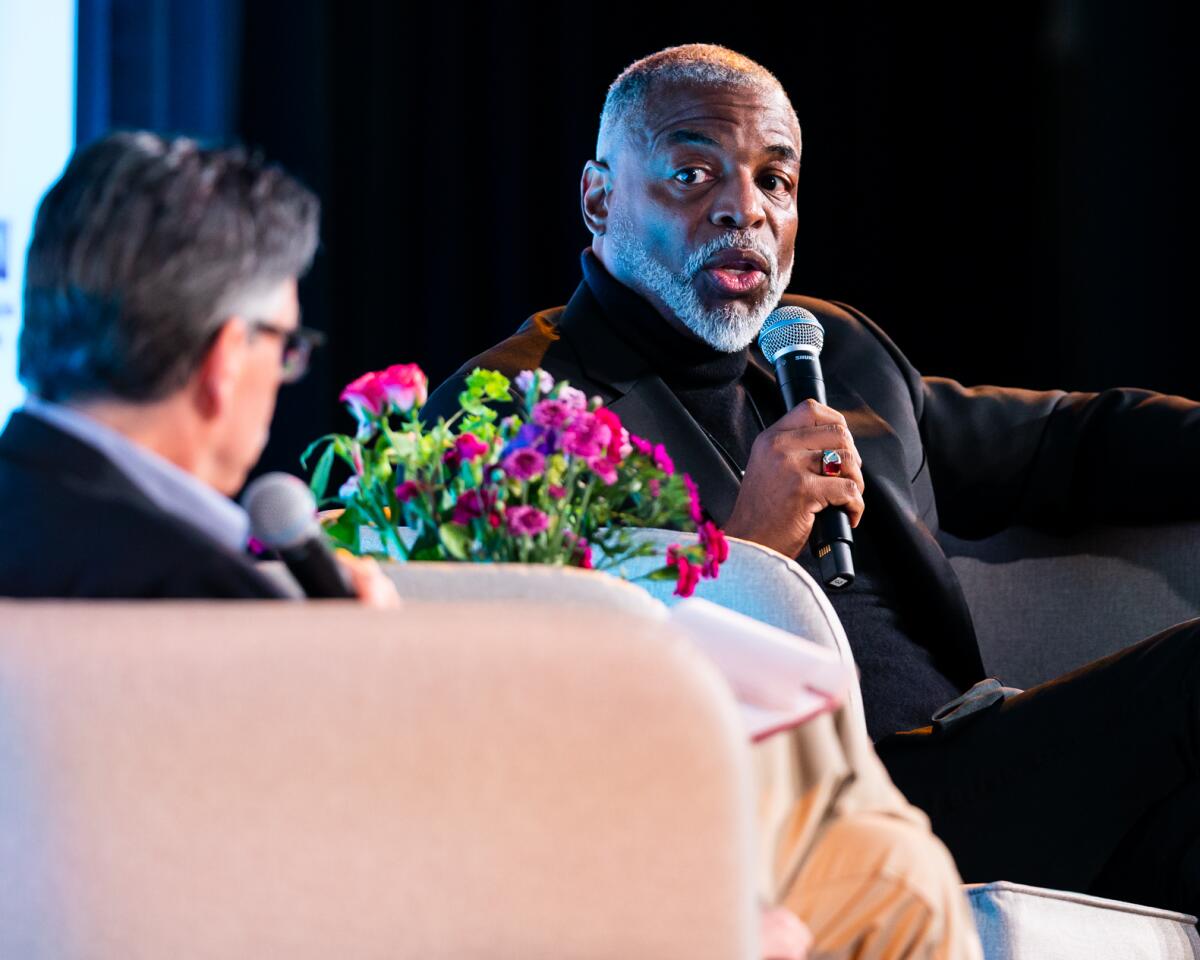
{"x": 283, "y": 512}
{"x": 790, "y": 328}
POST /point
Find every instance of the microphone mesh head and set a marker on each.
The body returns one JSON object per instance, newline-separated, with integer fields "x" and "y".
{"x": 282, "y": 510}
{"x": 790, "y": 328}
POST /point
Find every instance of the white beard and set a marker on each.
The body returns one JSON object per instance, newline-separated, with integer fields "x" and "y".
{"x": 728, "y": 327}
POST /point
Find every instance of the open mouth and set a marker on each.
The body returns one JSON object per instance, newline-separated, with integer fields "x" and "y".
{"x": 736, "y": 272}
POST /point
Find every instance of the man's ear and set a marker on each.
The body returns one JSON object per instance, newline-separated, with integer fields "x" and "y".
{"x": 216, "y": 379}
{"x": 594, "y": 187}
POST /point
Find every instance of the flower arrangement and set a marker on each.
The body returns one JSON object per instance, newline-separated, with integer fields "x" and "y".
{"x": 559, "y": 481}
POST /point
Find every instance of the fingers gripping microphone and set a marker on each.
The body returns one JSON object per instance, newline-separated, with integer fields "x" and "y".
{"x": 283, "y": 517}
{"x": 791, "y": 338}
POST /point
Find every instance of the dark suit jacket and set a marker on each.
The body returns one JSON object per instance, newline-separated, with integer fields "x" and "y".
{"x": 935, "y": 454}
{"x": 72, "y": 525}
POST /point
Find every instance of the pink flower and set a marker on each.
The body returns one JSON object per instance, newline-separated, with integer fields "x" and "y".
{"x": 407, "y": 490}
{"x": 556, "y": 491}
{"x": 655, "y": 488}
{"x": 575, "y": 399}
{"x": 524, "y": 463}
{"x": 365, "y": 396}
{"x": 617, "y": 433}
{"x": 688, "y": 572}
{"x": 255, "y": 546}
{"x": 694, "y": 499}
{"x": 716, "y": 549}
{"x": 356, "y": 456}
{"x": 586, "y": 436}
{"x": 551, "y": 413}
{"x": 404, "y": 385}
{"x": 663, "y": 460}
{"x": 524, "y": 380}
{"x": 466, "y": 447}
{"x": 581, "y": 550}
{"x": 642, "y": 446}
{"x": 604, "y": 468}
{"x": 526, "y": 521}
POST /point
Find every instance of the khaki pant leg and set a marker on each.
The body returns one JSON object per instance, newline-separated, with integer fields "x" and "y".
{"x": 843, "y": 849}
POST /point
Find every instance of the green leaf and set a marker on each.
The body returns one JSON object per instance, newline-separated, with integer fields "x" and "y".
{"x": 456, "y": 539}
{"x": 320, "y": 477}
{"x": 308, "y": 451}
{"x": 662, "y": 573}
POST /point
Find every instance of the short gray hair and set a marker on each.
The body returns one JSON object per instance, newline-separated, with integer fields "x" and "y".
{"x": 704, "y": 64}
{"x": 141, "y": 250}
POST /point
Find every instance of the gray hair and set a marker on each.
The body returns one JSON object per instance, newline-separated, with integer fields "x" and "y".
{"x": 704, "y": 64}
{"x": 141, "y": 250}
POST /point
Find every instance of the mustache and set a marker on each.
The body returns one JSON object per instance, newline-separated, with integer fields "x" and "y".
{"x": 739, "y": 240}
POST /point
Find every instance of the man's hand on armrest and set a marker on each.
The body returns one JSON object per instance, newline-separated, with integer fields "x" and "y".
{"x": 784, "y": 488}
{"x": 370, "y": 584}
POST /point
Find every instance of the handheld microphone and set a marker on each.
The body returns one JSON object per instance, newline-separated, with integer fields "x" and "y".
{"x": 791, "y": 339}
{"x": 283, "y": 517}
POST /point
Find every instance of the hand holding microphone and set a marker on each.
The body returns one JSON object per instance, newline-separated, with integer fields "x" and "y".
{"x": 787, "y": 498}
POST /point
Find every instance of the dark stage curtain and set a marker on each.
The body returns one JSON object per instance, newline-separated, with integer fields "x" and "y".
{"x": 1002, "y": 187}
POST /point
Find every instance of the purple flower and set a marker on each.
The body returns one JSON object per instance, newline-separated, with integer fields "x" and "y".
{"x": 575, "y": 399}
{"x": 587, "y": 436}
{"x": 472, "y": 505}
{"x": 551, "y": 413}
{"x": 524, "y": 380}
{"x": 526, "y": 521}
{"x": 524, "y": 463}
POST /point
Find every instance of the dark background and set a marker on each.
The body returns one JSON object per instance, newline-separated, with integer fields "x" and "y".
{"x": 1004, "y": 189}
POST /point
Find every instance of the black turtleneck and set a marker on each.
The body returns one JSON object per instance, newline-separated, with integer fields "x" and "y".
{"x": 733, "y": 400}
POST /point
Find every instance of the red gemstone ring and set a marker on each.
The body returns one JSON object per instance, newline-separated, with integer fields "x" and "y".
{"x": 831, "y": 463}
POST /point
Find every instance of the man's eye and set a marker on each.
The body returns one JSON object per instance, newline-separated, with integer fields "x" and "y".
{"x": 690, "y": 176}
{"x": 773, "y": 183}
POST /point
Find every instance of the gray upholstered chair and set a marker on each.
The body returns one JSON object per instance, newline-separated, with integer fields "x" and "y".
{"x": 1097, "y": 592}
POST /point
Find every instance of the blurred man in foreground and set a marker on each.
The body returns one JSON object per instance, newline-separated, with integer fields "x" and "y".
{"x": 161, "y": 317}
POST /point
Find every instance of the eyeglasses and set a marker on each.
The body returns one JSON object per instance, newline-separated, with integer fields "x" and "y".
{"x": 298, "y": 345}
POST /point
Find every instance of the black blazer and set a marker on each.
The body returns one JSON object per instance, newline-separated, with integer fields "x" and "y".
{"x": 936, "y": 455}
{"x": 72, "y": 525}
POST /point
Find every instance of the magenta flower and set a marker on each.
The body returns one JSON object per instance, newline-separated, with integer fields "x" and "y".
{"x": 616, "y": 432}
{"x": 694, "y": 499}
{"x": 655, "y": 488}
{"x": 404, "y": 385}
{"x": 663, "y": 460}
{"x": 526, "y": 521}
{"x": 365, "y": 397}
{"x": 581, "y": 550}
{"x": 586, "y": 436}
{"x": 551, "y": 413}
{"x": 556, "y": 491}
{"x": 604, "y": 468}
{"x": 524, "y": 463}
{"x": 407, "y": 490}
{"x": 688, "y": 573}
{"x": 472, "y": 505}
{"x": 644, "y": 447}
{"x": 466, "y": 448}
{"x": 716, "y": 549}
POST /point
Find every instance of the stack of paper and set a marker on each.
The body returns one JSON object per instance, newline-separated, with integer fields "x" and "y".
{"x": 779, "y": 679}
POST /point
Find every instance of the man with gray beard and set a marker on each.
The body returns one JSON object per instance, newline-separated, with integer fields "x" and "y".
{"x": 691, "y": 204}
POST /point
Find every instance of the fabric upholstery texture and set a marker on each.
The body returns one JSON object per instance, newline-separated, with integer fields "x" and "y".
{"x": 1094, "y": 592}
{"x": 481, "y": 778}
{"x": 1017, "y": 922}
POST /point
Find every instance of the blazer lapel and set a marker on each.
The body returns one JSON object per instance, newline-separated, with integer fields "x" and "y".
{"x": 645, "y": 405}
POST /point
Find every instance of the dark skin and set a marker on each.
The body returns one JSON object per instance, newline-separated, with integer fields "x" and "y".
{"x": 705, "y": 161}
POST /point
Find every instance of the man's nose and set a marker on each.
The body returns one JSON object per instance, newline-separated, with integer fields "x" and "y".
{"x": 738, "y": 203}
